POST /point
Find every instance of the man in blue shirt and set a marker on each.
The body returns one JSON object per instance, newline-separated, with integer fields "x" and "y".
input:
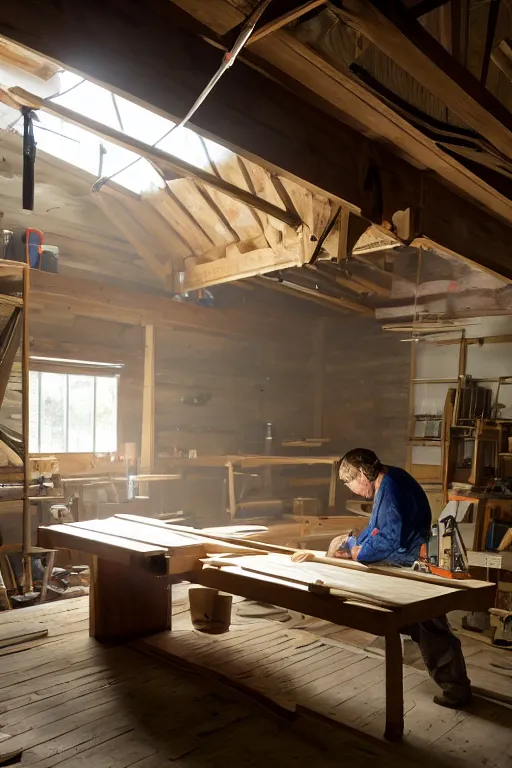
{"x": 399, "y": 524}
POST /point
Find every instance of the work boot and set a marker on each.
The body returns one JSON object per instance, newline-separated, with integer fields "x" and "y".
{"x": 452, "y": 702}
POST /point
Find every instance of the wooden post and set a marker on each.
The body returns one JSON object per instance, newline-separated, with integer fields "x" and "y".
{"x": 147, "y": 446}
{"x": 394, "y": 688}
{"x": 127, "y": 602}
{"x": 231, "y": 490}
{"x": 25, "y": 419}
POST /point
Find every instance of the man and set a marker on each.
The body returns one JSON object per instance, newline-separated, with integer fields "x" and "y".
{"x": 399, "y": 524}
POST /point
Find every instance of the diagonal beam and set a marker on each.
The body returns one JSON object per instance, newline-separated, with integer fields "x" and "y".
{"x": 425, "y": 6}
{"x": 408, "y": 44}
{"x": 162, "y": 159}
{"x": 285, "y": 18}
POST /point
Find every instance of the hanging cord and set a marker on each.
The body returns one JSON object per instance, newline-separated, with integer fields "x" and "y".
{"x": 68, "y": 90}
{"x": 227, "y": 61}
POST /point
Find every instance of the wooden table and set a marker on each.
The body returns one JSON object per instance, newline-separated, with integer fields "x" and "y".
{"x": 136, "y": 560}
{"x": 236, "y": 462}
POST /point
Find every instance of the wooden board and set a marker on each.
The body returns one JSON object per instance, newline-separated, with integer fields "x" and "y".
{"x": 391, "y": 590}
{"x": 103, "y": 545}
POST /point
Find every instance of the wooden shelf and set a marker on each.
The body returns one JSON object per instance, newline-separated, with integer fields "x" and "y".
{"x": 500, "y": 560}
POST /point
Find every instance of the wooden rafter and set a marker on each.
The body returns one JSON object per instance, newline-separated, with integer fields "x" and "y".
{"x": 406, "y": 42}
{"x": 236, "y": 266}
{"x": 502, "y": 57}
{"x": 268, "y": 119}
{"x": 425, "y": 6}
{"x": 111, "y": 203}
{"x": 285, "y": 18}
{"x": 162, "y": 159}
{"x": 494, "y": 7}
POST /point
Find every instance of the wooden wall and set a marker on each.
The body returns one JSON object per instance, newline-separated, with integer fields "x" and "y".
{"x": 340, "y": 375}
{"x": 366, "y": 384}
{"x": 241, "y": 385}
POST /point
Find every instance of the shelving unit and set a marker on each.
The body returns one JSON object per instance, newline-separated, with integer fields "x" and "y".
{"x": 15, "y": 342}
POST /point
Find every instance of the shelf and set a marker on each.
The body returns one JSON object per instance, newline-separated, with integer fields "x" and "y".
{"x": 425, "y": 441}
{"x": 500, "y": 560}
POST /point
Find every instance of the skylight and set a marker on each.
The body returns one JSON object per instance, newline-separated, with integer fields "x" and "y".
{"x": 78, "y": 147}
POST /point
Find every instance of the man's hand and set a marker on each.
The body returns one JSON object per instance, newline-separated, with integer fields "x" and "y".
{"x": 302, "y": 557}
{"x": 335, "y": 546}
{"x": 355, "y": 551}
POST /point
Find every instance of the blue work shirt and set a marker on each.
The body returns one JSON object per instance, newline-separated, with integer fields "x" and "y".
{"x": 400, "y": 521}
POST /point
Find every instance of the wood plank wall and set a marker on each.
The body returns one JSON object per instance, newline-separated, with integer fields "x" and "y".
{"x": 247, "y": 383}
{"x": 240, "y": 386}
{"x": 366, "y": 389}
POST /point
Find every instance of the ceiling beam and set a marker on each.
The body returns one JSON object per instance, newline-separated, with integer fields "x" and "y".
{"x": 502, "y": 57}
{"x": 163, "y": 160}
{"x": 285, "y": 18}
{"x": 250, "y": 113}
{"x": 92, "y": 298}
{"x": 425, "y": 6}
{"x": 406, "y": 42}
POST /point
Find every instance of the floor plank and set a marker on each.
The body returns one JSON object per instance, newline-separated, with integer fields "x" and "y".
{"x": 70, "y": 702}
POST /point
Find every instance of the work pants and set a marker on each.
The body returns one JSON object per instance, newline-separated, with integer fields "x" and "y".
{"x": 442, "y": 654}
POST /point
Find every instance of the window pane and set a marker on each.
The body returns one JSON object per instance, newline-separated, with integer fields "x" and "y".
{"x": 33, "y": 434}
{"x": 53, "y": 413}
{"x": 80, "y": 414}
{"x": 106, "y": 414}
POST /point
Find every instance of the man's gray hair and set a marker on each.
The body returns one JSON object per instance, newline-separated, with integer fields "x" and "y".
{"x": 359, "y": 459}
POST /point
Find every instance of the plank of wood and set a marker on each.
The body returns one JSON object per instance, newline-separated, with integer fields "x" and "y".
{"x": 296, "y": 576}
{"x": 17, "y": 636}
{"x": 147, "y": 449}
{"x": 236, "y": 266}
{"x": 358, "y": 581}
{"x": 110, "y": 547}
{"x": 184, "y": 546}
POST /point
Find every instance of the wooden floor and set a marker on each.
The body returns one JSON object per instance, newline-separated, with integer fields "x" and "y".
{"x": 70, "y": 702}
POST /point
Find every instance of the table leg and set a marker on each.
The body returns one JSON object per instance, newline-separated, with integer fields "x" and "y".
{"x": 127, "y": 601}
{"x": 48, "y": 570}
{"x": 394, "y": 688}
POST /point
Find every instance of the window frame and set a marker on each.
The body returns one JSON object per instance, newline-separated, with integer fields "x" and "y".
{"x": 74, "y": 370}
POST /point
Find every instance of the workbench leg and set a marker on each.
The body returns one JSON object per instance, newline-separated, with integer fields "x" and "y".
{"x": 394, "y": 688}
{"x": 47, "y": 574}
{"x": 127, "y": 602}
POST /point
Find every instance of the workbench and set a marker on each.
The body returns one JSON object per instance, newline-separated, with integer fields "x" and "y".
{"x": 136, "y": 560}
{"x": 234, "y": 463}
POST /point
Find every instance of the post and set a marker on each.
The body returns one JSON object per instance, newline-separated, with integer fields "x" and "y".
{"x": 147, "y": 446}
{"x": 394, "y": 688}
{"x": 231, "y": 490}
{"x": 25, "y": 419}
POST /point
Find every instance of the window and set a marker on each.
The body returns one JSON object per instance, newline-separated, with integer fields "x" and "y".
{"x": 72, "y": 413}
